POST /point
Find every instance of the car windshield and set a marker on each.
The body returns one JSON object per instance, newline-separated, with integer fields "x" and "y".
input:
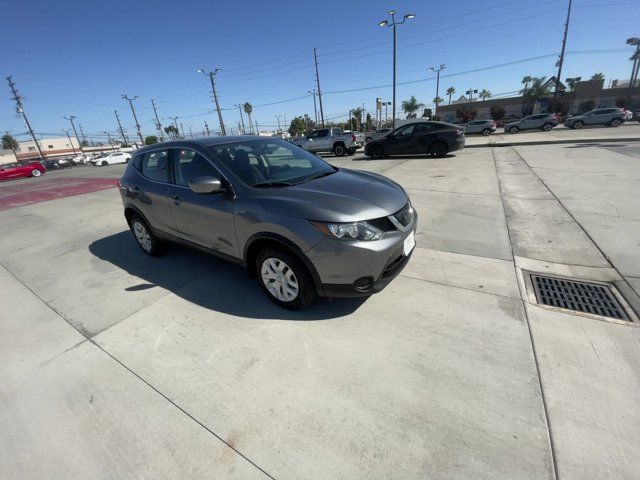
{"x": 270, "y": 162}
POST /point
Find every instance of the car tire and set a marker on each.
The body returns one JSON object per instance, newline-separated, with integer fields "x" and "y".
{"x": 616, "y": 122}
{"x": 547, "y": 127}
{"x": 577, "y": 125}
{"x": 339, "y": 150}
{"x": 104, "y": 163}
{"x": 284, "y": 279}
{"x": 513, "y": 130}
{"x": 438, "y": 149}
{"x": 375, "y": 152}
{"x": 35, "y": 172}
{"x": 486, "y": 132}
{"x": 144, "y": 236}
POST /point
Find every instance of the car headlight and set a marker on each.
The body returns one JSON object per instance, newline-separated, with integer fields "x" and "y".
{"x": 350, "y": 231}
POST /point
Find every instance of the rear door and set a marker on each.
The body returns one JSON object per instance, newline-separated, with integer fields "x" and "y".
{"x": 595, "y": 117}
{"x": 203, "y": 219}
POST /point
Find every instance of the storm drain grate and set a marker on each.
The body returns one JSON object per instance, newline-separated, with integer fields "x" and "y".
{"x": 578, "y": 296}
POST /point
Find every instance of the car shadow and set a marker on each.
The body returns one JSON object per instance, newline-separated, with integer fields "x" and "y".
{"x": 417, "y": 156}
{"x": 207, "y": 281}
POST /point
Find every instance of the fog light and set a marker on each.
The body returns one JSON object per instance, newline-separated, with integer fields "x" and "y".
{"x": 363, "y": 284}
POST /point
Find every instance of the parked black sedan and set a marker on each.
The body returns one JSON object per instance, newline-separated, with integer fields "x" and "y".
{"x": 419, "y": 138}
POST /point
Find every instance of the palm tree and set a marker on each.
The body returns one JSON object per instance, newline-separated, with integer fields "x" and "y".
{"x": 248, "y": 109}
{"x": 10, "y": 143}
{"x": 597, "y": 76}
{"x": 437, "y": 101}
{"x": 356, "y": 114}
{"x": 411, "y": 106}
{"x": 450, "y": 91}
{"x": 484, "y": 94}
{"x": 525, "y": 81}
{"x": 572, "y": 82}
{"x": 536, "y": 90}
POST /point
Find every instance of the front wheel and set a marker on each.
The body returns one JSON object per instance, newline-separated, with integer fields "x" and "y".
{"x": 578, "y": 125}
{"x": 514, "y": 130}
{"x": 376, "y": 152}
{"x": 104, "y": 163}
{"x": 143, "y": 235}
{"x": 339, "y": 150}
{"x": 284, "y": 279}
{"x": 36, "y": 173}
{"x": 438, "y": 149}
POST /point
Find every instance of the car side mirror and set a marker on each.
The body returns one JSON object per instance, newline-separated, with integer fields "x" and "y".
{"x": 205, "y": 185}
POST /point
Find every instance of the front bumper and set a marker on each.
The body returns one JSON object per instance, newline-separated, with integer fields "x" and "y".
{"x": 356, "y": 269}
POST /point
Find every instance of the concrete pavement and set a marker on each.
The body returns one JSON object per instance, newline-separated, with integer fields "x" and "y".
{"x": 119, "y": 365}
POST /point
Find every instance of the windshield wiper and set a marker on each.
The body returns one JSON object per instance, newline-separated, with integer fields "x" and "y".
{"x": 320, "y": 175}
{"x": 271, "y": 184}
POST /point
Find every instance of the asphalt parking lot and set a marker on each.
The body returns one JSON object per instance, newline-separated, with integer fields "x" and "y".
{"x": 117, "y": 365}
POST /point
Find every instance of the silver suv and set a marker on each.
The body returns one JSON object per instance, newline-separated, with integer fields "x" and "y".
{"x": 301, "y": 226}
{"x": 610, "y": 117}
{"x": 541, "y": 121}
{"x": 484, "y": 127}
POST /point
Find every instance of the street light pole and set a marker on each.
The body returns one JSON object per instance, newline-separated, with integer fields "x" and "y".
{"x": 470, "y": 92}
{"x": 110, "y": 142}
{"x": 437, "y": 70}
{"x": 135, "y": 118}
{"x": 212, "y": 76}
{"x": 393, "y": 24}
{"x": 124, "y": 137}
{"x": 70, "y": 142}
{"x": 564, "y": 44}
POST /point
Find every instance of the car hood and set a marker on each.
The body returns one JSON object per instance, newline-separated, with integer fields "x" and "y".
{"x": 344, "y": 196}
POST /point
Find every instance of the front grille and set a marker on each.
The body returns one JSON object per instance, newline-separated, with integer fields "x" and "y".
{"x": 383, "y": 224}
{"x": 404, "y": 216}
{"x": 578, "y": 296}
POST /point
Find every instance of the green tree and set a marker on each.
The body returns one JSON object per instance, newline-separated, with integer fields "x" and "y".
{"x": 356, "y": 113}
{"x": 172, "y": 131}
{"x": 526, "y": 80}
{"x": 597, "y": 76}
{"x": 557, "y": 105}
{"x": 484, "y": 94}
{"x": 411, "y": 106}
{"x": 535, "y": 90}
{"x": 297, "y": 126}
{"x": 10, "y": 143}
{"x": 571, "y": 81}
{"x": 450, "y": 91}
{"x": 150, "y": 140}
{"x": 308, "y": 124}
{"x": 369, "y": 122}
{"x": 497, "y": 113}
{"x": 248, "y": 109}
{"x": 437, "y": 101}
{"x": 84, "y": 143}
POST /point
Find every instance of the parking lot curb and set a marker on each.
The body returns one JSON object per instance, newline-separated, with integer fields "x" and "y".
{"x": 553, "y": 142}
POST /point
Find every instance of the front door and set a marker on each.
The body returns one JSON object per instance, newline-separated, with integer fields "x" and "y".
{"x": 403, "y": 141}
{"x": 202, "y": 219}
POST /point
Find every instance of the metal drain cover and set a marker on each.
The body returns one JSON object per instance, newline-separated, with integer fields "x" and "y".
{"x": 579, "y": 296}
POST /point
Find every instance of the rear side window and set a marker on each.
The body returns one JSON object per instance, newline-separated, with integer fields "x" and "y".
{"x": 323, "y": 133}
{"x": 137, "y": 162}
{"x": 155, "y": 166}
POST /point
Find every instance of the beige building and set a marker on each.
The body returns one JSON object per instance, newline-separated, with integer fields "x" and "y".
{"x": 51, "y": 148}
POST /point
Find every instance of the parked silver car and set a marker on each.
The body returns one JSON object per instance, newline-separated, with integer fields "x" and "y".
{"x": 331, "y": 140}
{"x": 484, "y": 127}
{"x": 541, "y": 121}
{"x": 378, "y": 134}
{"x": 610, "y": 117}
{"x": 301, "y": 226}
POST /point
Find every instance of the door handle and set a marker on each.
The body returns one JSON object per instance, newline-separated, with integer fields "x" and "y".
{"x": 175, "y": 198}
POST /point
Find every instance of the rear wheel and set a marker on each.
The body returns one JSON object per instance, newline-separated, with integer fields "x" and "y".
{"x": 514, "y": 130}
{"x": 616, "y": 122}
{"x": 547, "y": 126}
{"x": 486, "y": 132}
{"x": 578, "y": 125}
{"x": 143, "y": 235}
{"x": 104, "y": 163}
{"x": 36, "y": 173}
{"x": 284, "y": 279}
{"x": 339, "y": 150}
{"x": 438, "y": 149}
{"x": 375, "y": 151}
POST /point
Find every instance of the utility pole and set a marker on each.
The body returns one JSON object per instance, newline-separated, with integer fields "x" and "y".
{"x": 278, "y": 117}
{"x": 215, "y": 95}
{"x": 158, "y": 124}
{"x": 110, "y": 141}
{"x": 285, "y": 121}
{"x": 315, "y": 110}
{"x": 315, "y": 58}
{"x": 70, "y": 142}
{"x": 20, "y": 109}
{"x": 437, "y": 70}
{"x": 206, "y": 128}
{"x": 84, "y": 139}
{"x": 564, "y": 44}
{"x": 394, "y": 24}
{"x": 182, "y": 129}
{"x": 241, "y": 117}
{"x": 133, "y": 111}
{"x": 75, "y": 132}
{"x": 124, "y": 137}
{"x": 257, "y": 131}
{"x": 190, "y": 132}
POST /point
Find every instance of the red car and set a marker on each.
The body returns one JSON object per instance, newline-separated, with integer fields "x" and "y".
{"x": 10, "y": 171}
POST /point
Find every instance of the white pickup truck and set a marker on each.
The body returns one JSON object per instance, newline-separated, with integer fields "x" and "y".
{"x": 330, "y": 140}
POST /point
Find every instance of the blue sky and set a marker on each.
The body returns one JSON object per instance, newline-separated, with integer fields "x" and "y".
{"x": 79, "y": 57}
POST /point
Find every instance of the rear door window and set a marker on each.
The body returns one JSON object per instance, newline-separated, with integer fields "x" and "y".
{"x": 155, "y": 166}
